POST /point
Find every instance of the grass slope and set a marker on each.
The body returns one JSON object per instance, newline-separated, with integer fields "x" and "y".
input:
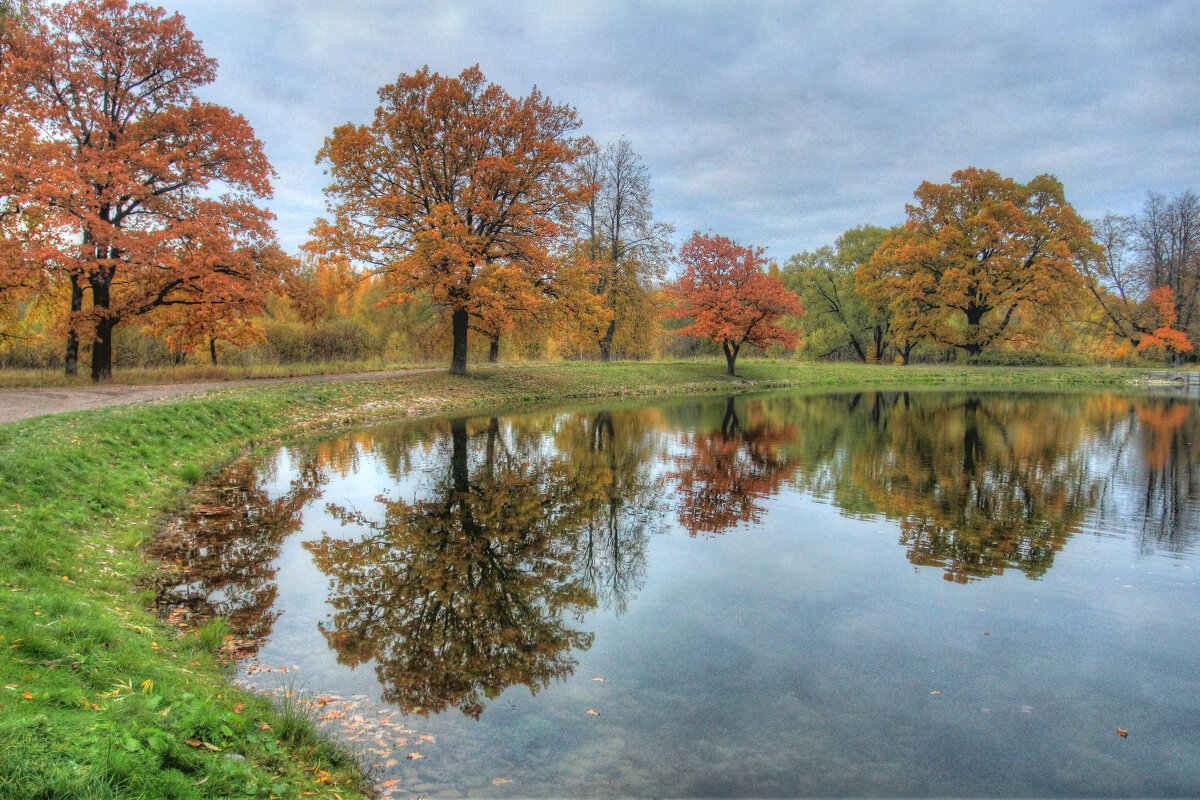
{"x": 100, "y": 699}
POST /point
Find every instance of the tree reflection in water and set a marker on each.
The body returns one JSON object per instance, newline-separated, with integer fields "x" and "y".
{"x": 978, "y": 484}
{"x": 223, "y": 549}
{"x": 722, "y": 475}
{"x": 610, "y": 456}
{"x": 471, "y": 587}
{"x": 463, "y": 594}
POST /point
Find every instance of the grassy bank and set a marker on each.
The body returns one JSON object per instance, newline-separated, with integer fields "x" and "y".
{"x": 100, "y": 699}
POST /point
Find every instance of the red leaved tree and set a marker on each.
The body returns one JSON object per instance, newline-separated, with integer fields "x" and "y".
{"x": 457, "y": 192}
{"x": 730, "y": 298}
{"x": 129, "y": 163}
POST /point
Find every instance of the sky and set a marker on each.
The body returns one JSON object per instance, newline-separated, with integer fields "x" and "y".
{"x": 777, "y": 124}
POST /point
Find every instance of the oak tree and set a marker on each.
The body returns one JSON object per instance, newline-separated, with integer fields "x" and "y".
{"x": 132, "y": 164}
{"x": 456, "y": 191}
{"x": 730, "y": 298}
{"x": 975, "y": 255}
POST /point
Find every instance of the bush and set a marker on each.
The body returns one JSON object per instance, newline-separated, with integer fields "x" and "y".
{"x": 338, "y": 340}
{"x": 1029, "y": 358}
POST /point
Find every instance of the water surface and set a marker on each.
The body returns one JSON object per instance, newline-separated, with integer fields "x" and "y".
{"x": 903, "y": 594}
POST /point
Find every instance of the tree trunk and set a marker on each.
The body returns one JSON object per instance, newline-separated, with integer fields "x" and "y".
{"x": 212, "y": 350}
{"x": 458, "y": 361}
{"x": 731, "y": 354}
{"x": 102, "y": 347}
{"x": 607, "y": 340}
{"x": 494, "y": 350}
{"x": 102, "y": 350}
{"x": 71, "y": 357}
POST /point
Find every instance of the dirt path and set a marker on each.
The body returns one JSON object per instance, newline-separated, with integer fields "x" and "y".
{"x": 16, "y": 404}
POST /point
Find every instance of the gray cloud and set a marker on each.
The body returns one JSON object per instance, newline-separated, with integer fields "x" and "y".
{"x": 778, "y": 124}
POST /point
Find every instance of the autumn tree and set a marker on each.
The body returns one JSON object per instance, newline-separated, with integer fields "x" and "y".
{"x": 976, "y": 255}
{"x": 837, "y": 317}
{"x": 132, "y": 163}
{"x": 618, "y": 233}
{"x": 1168, "y": 245}
{"x": 1146, "y": 281}
{"x": 730, "y": 298}
{"x": 457, "y": 191}
{"x": 25, "y": 285}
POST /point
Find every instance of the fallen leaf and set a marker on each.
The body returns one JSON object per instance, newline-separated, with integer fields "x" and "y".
{"x": 1123, "y": 732}
{"x": 391, "y": 762}
{"x": 935, "y": 692}
{"x": 593, "y": 712}
{"x": 27, "y": 695}
{"x": 412, "y": 756}
{"x": 238, "y": 708}
{"x": 598, "y": 679}
{"x": 201, "y": 781}
{"x": 500, "y": 781}
{"x": 389, "y": 784}
{"x": 193, "y": 742}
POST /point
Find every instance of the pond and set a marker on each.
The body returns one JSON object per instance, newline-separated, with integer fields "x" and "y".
{"x": 891, "y": 593}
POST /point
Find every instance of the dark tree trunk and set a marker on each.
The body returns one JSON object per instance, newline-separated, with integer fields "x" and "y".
{"x": 876, "y": 344}
{"x": 71, "y": 357}
{"x": 459, "y": 474}
{"x": 731, "y": 354}
{"x": 458, "y": 361}
{"x": 102, "y": 347}
{"x": 494, "y": 350}
{"x": 729, "y": 423}
{"x": 212, "y": 350}
{"x": 607, "y": 340}
{"x": 102, "y": 350}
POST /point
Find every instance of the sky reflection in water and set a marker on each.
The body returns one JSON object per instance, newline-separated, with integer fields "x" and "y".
{"x": 908, "y": 594}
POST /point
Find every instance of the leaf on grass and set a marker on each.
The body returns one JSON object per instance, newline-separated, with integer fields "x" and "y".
{"x": 198, "y": 743}
{"x": 201, "y": 781}
{"x": 593, "y": 712}
{"x": 412, "y": 756}
{"x": 27, "y": 695}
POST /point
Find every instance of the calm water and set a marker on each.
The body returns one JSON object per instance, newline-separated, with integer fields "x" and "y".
{"x": 903, "y": 594}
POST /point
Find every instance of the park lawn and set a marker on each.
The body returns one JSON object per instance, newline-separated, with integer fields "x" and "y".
{"x": 101, "y": 699}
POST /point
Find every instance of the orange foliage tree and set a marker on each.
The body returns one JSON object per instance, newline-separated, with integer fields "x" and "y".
{"x": 456, "y": 191}
{"x": 1130, "y": 317}
{"x": 24, "y": 283}
{"x": 1164, "y": 335}
{"x": 975, "y": 255}
{"x": 730, "y": 298}
{"x": 130, "y": 162}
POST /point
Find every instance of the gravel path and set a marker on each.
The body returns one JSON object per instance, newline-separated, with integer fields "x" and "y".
{"x": 18, "y": 404}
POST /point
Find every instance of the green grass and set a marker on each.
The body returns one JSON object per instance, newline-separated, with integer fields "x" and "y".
{"x": 100, "y": 699}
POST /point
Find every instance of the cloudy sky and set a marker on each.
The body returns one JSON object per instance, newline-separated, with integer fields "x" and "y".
{"x": 776, "y": 124}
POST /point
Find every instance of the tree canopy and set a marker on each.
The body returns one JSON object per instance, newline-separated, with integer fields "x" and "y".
{"x": 729, "y": 296}
{"x": 975, "y": 255}
{"x": 127, "y": 165}
{"x": 456, "y": 190}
